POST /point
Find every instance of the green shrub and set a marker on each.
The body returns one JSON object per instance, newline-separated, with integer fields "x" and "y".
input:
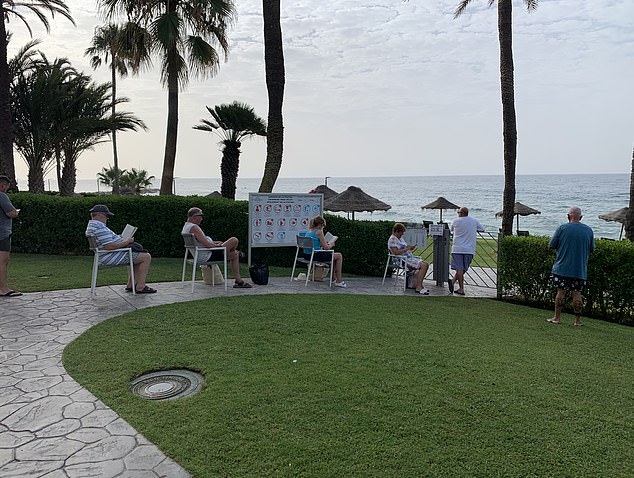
{"x": 524, "y": 269}
{"x": 55, "y": 225}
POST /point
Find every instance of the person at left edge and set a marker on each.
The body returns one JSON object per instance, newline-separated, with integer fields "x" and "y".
{"x": 7, "y": 213}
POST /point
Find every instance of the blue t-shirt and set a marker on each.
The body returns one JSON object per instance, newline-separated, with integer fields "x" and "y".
{"x": 316, "y": 241}
{"x": 574, "y": 243}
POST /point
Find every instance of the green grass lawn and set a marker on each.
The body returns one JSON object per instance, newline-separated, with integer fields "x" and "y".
{"x": 364, "y": 386}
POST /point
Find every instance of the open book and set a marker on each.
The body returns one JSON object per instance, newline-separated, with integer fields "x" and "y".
{"x": 330, "y": 239}
{"x": 128, "y": 231}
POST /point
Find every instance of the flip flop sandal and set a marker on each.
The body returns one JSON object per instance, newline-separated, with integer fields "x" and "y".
{"x": 242, "y": 285}
{"x": 12, "y": 293}
{"x": 146, "y": 290}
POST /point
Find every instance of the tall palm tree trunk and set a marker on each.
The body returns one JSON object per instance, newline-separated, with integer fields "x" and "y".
{"x": 115, "y": 156}
{"x": 229, "y": 166}
{"x": 167, "y": 179}
{"x": 7, "y": 165}
{"x": 505, "y": 33}
{"x": 275, "y": 78}
{"x": 36, "y": 178}
{"x": 69, "y": 175}
{"x": 629, "y": 218}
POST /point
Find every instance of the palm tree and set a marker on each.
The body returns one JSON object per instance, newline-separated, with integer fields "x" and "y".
{"x": 17, "y": 10}
{"x": 106, "y": 176}
{"x": 35, "y": 97}
{"x": 126, "y": 49}
{"x": 58, "y": 114}
{"x": 183, "y": 34}
{"x": 232, "y": 123}
{"x": 136, "y": 180}
{"x": 86, "y": 121}
{"x": 275, "y": 77}
{"x": 509, "y": 124}
{"x": 629, "y": 218}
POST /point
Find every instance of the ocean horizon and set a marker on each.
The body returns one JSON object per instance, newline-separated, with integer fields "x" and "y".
{"x": 551, "y": 194}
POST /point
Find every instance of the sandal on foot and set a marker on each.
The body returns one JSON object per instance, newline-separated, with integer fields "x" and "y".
{"x": 12, "y": 293}
{"x": 242, "y": 285}
{"x": 128, "y": 289}
{"x": 146, "y": 290}
{"x": 578, "y": 324}
{"x": 553, "y": 321}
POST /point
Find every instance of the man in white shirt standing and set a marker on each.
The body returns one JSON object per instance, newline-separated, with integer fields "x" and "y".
{"x": 464, "y": 231}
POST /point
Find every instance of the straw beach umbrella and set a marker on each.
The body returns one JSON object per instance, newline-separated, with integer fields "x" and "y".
{"x": 354, "y": 200}
{"x": 520, "y": 209}
{"x": 440, "y": 203}
{"x": 620, "y": 215}
{"x": 325, "y": 190}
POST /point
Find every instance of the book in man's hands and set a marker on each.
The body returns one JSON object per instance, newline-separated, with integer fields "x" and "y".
{"x": 128, "y": 231}
{"x": 330, "y": 239}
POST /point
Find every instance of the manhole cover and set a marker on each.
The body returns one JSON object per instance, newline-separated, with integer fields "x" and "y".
{"x": 167, "y": 384}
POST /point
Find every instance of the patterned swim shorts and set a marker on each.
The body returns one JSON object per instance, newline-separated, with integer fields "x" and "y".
{"x": 568, "y": 283}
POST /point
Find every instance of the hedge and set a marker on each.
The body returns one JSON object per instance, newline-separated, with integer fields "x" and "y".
{"x": 524, "y": 266}
{"x": 51, "y": 224}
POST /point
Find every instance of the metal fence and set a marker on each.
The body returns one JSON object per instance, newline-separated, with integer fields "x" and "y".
{"x": 483, "y": 271}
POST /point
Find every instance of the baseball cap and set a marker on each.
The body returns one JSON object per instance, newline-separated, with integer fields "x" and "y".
{"x": 102, "y": 209}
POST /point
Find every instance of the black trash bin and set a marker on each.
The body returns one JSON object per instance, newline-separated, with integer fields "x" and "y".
{"x": 259, "y": 274}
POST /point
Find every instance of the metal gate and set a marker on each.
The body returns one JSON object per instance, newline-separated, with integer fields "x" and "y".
{"x": 483, "y": 271}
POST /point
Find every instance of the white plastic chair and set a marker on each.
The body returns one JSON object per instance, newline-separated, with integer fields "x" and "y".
{"x": 306, "y": 242}
{"x": 191, "y": 248}
{"x": 398, "y": 263}
{"x": 99, "y": 252}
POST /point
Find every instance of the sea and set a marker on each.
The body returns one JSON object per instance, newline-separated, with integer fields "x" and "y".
{"x": 552, "y": 195}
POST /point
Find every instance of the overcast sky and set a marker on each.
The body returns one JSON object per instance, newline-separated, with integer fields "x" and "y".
{"x": 392, "y": 88}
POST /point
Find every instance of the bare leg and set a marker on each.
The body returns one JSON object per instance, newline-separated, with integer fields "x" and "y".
{"x": 234, "y": 261}
{"x": 233, "y": 257}
{"x": 338, "y": 266}
{"x": 4, "y": 265}
{"x": 141, "y": 268}
{"x": 420, "y": 276}
{"x": 459, "y": 277}
{"x": 577, "y": 303}
{"x": 560, "y": 301}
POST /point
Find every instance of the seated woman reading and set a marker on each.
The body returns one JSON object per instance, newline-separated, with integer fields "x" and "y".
{"x": 397, "y": 245}
{"x": 316, "y": 232}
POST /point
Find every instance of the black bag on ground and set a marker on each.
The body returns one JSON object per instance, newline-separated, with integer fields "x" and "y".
{"x": 259, "y": 274}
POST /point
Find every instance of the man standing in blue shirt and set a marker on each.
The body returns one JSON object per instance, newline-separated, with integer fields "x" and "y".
{"x": 574, "y": 242}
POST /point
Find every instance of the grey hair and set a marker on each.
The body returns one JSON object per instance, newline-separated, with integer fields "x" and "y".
{"x": 574, "y": 211}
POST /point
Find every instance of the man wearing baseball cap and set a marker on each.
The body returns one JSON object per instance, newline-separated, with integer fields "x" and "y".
{"x": 107, "y": 239}
{"x": 7, "y": 213}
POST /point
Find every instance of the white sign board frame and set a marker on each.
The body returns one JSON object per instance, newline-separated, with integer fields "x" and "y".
{"x": 436, "y": 229}
{"x": 275, "y": 219}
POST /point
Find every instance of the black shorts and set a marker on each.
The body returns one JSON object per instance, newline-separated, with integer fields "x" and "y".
{"x": 568, "y": 283}
{"x": 5, "y": 244}
{"x": 216, "y": 256}
{"x": 320, "y": 256}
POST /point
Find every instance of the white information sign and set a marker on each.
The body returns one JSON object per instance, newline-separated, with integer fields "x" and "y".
{"x": 436, "y": 229}
{"x": 275, "y": 219}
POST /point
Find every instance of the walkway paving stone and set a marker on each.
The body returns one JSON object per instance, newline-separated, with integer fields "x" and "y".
{"x": 50, "y": 427}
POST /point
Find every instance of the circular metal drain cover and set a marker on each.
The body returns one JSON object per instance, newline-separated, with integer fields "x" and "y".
{"x": 167, "y": 384}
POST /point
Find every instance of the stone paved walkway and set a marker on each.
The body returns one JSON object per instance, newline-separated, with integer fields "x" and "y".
{"x": 49, "y": 425}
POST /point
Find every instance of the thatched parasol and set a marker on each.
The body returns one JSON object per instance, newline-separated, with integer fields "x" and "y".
{"x": 354, "y": 200}
{"x": 620, "y": 215}
{"x": 440, "y": 203}
{"x": 325, "y": 190}
{"x": 519, "y": 209}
